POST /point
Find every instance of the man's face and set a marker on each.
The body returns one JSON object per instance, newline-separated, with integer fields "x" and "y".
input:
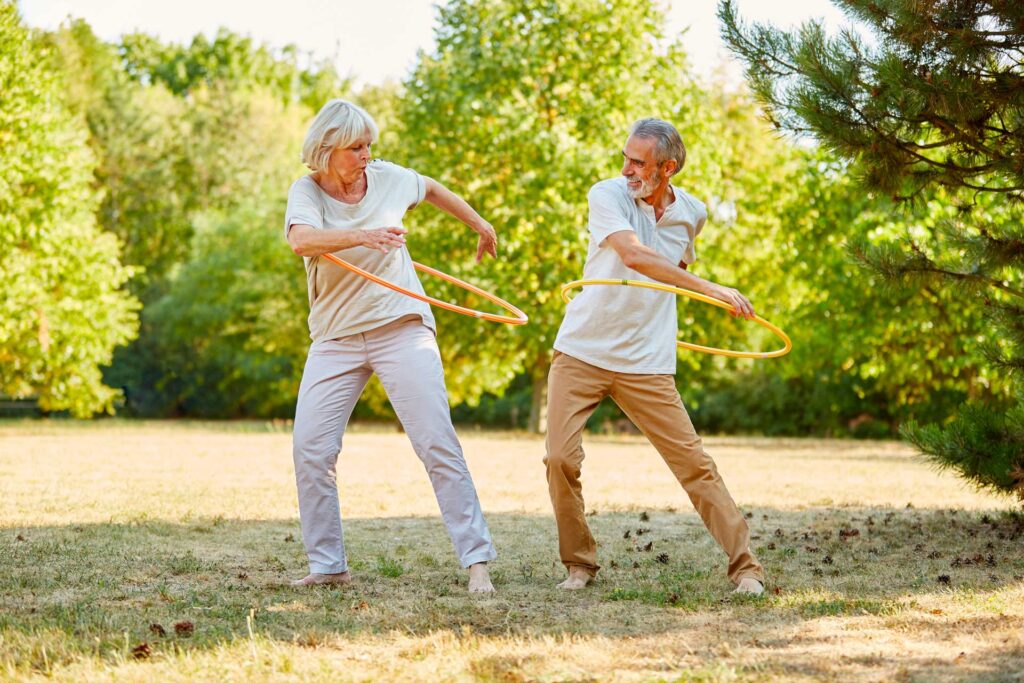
{"x": 640, "y": 167}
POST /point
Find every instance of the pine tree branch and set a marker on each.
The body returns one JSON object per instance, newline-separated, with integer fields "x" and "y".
{"x": 975, "y": 277}
{"x": 752, "y": 52}
{"x": 989, "y": 188}
{"x": 959, "y": 135}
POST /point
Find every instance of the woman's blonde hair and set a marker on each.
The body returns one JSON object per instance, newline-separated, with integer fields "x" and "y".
{"x": 338, "y": 124}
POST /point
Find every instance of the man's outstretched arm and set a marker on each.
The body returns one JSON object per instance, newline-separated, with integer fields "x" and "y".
{"x": 648, "y": 262}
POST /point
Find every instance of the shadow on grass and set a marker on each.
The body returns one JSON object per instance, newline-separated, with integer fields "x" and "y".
{"x": 92, "y": 589}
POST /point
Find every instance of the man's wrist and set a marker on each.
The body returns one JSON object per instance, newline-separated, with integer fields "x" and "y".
{"x": 702, "y": 286}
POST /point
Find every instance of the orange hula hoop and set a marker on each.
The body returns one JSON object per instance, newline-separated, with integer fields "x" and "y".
{"x": 517, "y": 317}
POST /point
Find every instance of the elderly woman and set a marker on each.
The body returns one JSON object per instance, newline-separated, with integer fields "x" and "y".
{"x": 353, "y": 206}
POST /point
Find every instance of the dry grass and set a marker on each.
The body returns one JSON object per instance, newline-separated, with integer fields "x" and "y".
{"x": 109, "y": 528}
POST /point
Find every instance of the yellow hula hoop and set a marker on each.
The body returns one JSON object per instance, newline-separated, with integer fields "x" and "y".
{"x": 517, "y": 317}
{"x": 699, "y": 297}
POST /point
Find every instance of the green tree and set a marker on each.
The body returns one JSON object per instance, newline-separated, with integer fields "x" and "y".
{"x": 185, "y": 136}
{"x": 521, "y": 108}
{"x": 174, "y": 129}
{"x": 231, "y": 332}
{"x": 243, "y": 152}
{"x": 234, "y": 59}
{"x": 937, "y": 101}
{"x": 63, "y": 307}
{"x": 866, "y": 355}
{"x": 138, "y": 135}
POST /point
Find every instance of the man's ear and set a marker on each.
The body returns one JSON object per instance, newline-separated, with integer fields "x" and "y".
{"x": 671, "y": 166}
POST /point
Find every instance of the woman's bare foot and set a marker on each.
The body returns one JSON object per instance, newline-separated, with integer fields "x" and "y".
{"x": 323, "y": 579}
{"x": 480, "y": 578}
{"x": 578, "y": 578}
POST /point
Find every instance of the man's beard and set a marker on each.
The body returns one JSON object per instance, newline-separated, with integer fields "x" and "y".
{"x": 646, "y": 188}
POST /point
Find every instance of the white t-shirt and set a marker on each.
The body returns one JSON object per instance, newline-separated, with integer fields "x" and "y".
{"x": 342, "y": 303}
{"x": 629, "y": 329}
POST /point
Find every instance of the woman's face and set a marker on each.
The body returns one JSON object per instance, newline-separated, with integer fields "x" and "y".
{"x": 349, "y": 162}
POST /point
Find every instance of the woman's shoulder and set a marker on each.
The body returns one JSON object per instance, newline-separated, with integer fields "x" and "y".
{"x": 304, "y": 186}
{"x": 385, "y": 168}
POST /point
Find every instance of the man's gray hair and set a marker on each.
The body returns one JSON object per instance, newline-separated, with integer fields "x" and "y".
{"x": 668, "y": 143}
{"x": 338, "y": 124}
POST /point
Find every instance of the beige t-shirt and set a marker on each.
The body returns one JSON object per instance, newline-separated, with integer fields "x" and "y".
{"x": 629, "y": 329}
{"x": 342, "y": 303}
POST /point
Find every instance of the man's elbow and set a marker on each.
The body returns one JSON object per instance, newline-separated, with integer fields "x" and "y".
{"x": 632, "y": 258}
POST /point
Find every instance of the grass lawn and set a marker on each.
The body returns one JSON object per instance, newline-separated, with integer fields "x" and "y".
{"x": 162, "y": 551}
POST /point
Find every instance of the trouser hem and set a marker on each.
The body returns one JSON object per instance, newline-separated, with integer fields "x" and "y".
{"x": 590, "y": 569}
{"x": 477, "y": 557}
{"x": 759, "y": 577}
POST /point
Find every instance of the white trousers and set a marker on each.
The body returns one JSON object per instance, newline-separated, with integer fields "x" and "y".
{"x": 405, "y": 357}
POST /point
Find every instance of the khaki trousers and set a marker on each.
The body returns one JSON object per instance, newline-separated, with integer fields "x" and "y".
{"x": 652, "y": 402}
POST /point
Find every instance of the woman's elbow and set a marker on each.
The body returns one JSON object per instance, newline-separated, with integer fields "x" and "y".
{"x": 429, "y": 189}
{"x": 299, "y": 247}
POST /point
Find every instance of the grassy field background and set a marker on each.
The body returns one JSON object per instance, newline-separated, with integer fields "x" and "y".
{"x": 162, "y": 551}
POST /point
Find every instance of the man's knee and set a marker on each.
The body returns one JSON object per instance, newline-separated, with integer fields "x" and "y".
{"x": 702, "y": 473}
{"x": 564, "y": 459}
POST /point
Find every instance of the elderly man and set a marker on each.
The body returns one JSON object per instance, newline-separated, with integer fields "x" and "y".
{"x": 620, "y": 342}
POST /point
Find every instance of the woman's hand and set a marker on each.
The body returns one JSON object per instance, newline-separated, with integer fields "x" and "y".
{"x": 488, "y": 243}
{"x": 384, "y": 239}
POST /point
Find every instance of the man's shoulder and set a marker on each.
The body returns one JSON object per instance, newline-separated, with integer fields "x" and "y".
{"x": 688, "y": 202}
{"x": 611, "y": 189}
{"x": 612, "y": 185}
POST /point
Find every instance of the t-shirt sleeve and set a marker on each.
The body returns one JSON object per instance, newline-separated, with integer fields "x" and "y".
{"x": 420, "y": 188}
{"x": 607, "y": 215}
{"x": 690, "y": 255}
{"x": 406, "y": 185}
{"x": 303, "y": 207}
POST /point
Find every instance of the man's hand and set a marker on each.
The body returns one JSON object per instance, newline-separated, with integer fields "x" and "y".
{"x": 384, "y": 239}
{"x": 732, "y": 296}
{"x": 488, "y": 243}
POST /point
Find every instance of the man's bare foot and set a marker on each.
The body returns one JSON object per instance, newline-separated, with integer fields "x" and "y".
{"x": 578, "y": 578}
{"x": 749, "y": 586}
{"x": 324, "y": 579}
{"x": 480, "y": 578}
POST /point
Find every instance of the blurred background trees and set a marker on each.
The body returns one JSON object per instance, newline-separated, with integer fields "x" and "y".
{"x": 143, "y": 187}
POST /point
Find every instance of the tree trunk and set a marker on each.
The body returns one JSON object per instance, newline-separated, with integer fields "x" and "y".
{"x": 539, "y": 403}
